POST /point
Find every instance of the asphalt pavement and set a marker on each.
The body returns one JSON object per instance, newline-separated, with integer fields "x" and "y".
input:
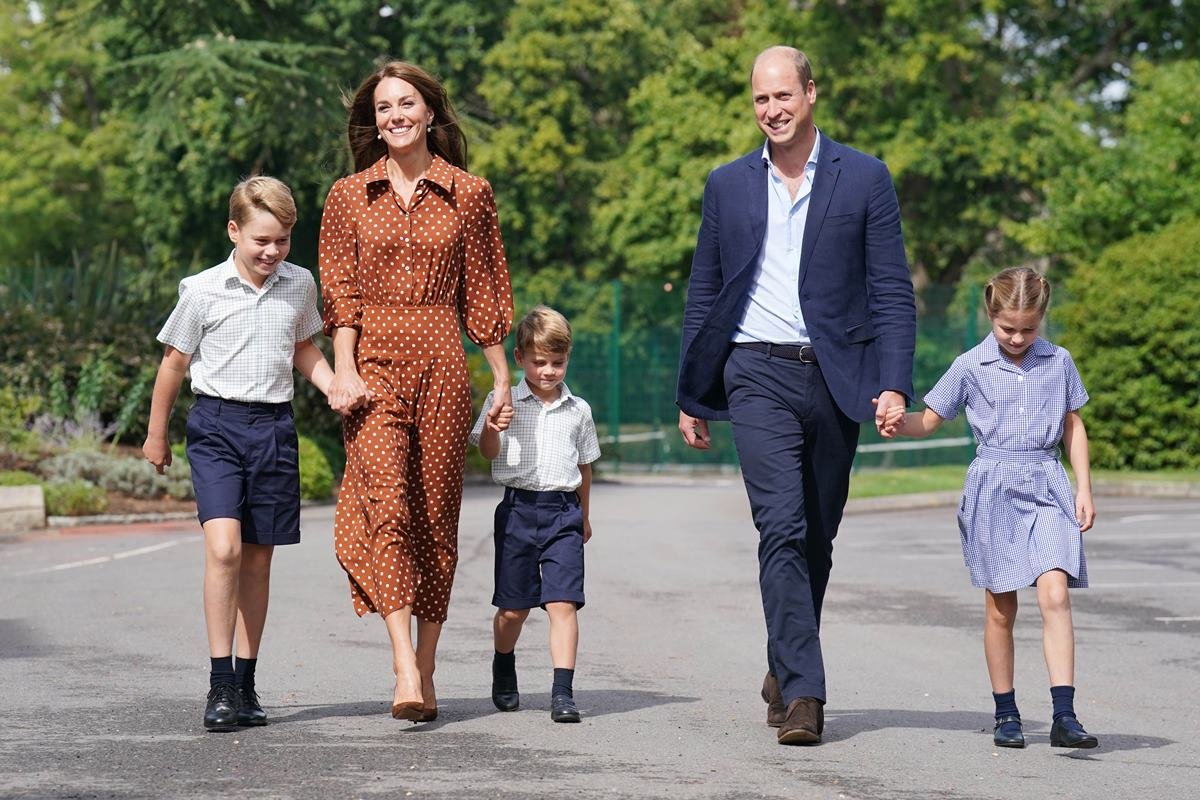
{"x": 103, "y": 668}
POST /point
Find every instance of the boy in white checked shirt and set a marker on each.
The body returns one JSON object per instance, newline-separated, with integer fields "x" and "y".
{"x": 240, "y": 327}
{"x": 543, "y": 456}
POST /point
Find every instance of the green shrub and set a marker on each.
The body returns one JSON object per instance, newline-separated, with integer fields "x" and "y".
{"x": 15, "y": 413}
{"x": 19, "y": 477}
{"x": 1131, "y": 327}
{"x": 74, "y": 498}
{"x": 316, "y": 476}
{"x": 119, "y": 474}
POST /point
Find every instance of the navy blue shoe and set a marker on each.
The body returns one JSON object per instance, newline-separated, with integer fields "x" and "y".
{"x": 504, "y": 692}
{"x": 1007, "y": 732}
{"x": 1067, "y": 732}
{"x": 562, "y": 709}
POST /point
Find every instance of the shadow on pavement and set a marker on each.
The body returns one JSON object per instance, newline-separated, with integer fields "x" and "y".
{"x": 592, "y": 703}
{"x": 848, "y": 723}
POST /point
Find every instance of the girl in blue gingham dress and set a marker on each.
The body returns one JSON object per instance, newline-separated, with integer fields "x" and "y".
{"x": 1019, "y": 523}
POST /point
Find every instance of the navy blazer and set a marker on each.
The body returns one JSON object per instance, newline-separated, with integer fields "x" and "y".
{"x": 855, "y": 288}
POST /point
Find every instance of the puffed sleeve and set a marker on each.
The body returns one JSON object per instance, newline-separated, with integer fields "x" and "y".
{"x": 485, "y": 302}
{"x": 1077, "y": 396}
{"x": 337, "y": 257}
{"x": 950, "y": 392}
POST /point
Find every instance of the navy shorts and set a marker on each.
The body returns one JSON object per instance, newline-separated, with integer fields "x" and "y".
{"x": 245, "y": 464}
{"x": 539, "y": 549}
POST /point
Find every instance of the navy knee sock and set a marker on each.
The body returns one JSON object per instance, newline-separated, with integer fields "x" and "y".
{"x": 1064, "y": 701}
{"x": 221, "y": 671}
{"x": 504, "y": 665}
{"x": 243, "y": 670}
{"x": 562, "y": 682}
{"x": 1006, "y": 704}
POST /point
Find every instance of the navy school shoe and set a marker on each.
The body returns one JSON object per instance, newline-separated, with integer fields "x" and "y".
{"x": 562, "y": 709}
{"x": 1067, "y": 732}
{"x": 1007, "y": 732}
{"x": 504, "y": 692}
{"x": 221, "y": 713}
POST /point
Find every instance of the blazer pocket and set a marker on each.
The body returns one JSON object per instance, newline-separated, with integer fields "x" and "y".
{"x": 862, "y": 332}
{"x": 844, "y": 218}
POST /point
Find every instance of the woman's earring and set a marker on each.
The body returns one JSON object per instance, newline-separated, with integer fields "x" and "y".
{"x": 379, "y": 136}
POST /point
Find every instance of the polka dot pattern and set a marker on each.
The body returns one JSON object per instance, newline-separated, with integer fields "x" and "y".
{"x": 409, "y": 279}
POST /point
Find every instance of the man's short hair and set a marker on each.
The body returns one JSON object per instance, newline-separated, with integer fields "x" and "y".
{"x": 801, "y": 62}
{"x": 262, "y": 193}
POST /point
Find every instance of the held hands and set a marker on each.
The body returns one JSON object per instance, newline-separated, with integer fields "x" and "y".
{"x": 157, "y": 451}
{"x": 500, "y": 415}
{"x": 348, "y": 392}
{"x": 695, "y": 431}
{"x": 889, "y": 414}
{"x": 1085, "y": 510}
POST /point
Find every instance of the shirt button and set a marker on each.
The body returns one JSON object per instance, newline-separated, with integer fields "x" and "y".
{"x": 1020, "y": 377}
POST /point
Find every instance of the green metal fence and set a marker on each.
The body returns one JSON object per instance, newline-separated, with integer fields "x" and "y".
{"x": 626, "y": 354}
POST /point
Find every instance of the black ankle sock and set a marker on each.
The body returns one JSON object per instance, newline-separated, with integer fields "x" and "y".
{"x": 1006, "y": 704}
{"x": 504, "y": 664}
{"x": 1063, "y": 698}
{"x": 221, "y": 671}
{"x": 562, "y": 682}
{"x": 243, "y": 670}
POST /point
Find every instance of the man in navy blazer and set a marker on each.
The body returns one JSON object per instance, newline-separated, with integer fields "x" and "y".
{"x": 800, "y": 318}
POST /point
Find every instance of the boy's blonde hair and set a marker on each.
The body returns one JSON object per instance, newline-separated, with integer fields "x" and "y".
{"x": 544, "y": 329}
{"x": 262, "y": 193}
{"x": 1017, "y": 289}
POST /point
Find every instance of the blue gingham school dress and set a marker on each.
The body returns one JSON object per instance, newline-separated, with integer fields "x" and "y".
{"x": 1017, "y": 516}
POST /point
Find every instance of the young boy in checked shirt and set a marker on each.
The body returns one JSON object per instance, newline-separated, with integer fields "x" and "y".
{"x": 239, "y": 328}
{"x": 543, "y": 457}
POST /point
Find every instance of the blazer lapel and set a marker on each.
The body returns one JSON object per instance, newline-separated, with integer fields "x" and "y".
{"x": 823, "y": 187}
{"x": 756, "y": 199}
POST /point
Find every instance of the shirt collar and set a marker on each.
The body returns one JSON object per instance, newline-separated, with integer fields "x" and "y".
{"x": 811, "y": 164}
{"x": 990, "y": 353}
{"x": 229, "y": 272}
{"x": 522, "y": 392}
{"x": 440, "y": 172}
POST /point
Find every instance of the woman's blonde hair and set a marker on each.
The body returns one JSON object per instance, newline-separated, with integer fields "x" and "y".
{"x": 262, "y": 193}
{"x": 544, "y": 329}
{"x": 1017, "y": 289}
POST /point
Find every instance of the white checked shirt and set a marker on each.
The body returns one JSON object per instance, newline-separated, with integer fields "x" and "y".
{"x": 545, "y": 444}
{"x": 242, "y": 339}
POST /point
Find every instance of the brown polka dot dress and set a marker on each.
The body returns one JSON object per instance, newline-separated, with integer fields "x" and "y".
{"x": 409, "y": 279}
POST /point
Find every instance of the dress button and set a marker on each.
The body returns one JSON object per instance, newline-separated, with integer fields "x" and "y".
{"x": 1020, "y": 377}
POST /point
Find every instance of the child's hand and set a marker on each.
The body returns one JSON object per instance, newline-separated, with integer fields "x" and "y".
{"x": 500, "y": 415}
{"x": 1085, "y": 510}
{"x": 157, "y": 451}
{"x": 587, "y": 530}
{"x": 893, "y": 420}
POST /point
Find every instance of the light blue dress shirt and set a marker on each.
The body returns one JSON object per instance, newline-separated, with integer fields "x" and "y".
{"x": 773, "y": 312}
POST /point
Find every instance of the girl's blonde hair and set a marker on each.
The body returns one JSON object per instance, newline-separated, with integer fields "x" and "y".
{"x": 544, "y": 329}
{"x": 262, "y": 193}
{"x": 1017, "y": 289}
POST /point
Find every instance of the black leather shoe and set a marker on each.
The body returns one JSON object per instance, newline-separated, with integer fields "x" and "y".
{"x": 1007, "y": 732}
{"x": 776, "y": 710}
{"x": 1067, "y": 732}
{"x": 221, "y": 714}
{"x": 504, "y": 692}
{"x": 562, "y": 709}
{"x": 250, "y": 711}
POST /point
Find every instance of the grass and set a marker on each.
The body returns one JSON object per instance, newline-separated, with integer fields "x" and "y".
{"x": 909, "y": 480}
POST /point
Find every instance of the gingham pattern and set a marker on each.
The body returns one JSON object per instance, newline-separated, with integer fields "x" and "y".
{"x": 242, "y": 340}
{"x": 1017, "y": 516}
{"x": 545, "y": 444}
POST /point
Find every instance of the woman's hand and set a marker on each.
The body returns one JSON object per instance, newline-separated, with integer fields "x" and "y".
{"x": 1085, "y": 510}
{"x": 347, "y": 391}
{"x": 500, "y": 415}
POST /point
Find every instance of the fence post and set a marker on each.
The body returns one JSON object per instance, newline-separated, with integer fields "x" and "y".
{"x": 614, "y": 375}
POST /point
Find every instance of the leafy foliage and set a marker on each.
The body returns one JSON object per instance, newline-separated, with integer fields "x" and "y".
{"x": 74, "y": 498}
{"x": 316, "y": 476}
{"x": 1137, "y": 349}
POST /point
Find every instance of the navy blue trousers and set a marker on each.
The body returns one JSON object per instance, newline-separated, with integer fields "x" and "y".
{"x": 796, "y": 448}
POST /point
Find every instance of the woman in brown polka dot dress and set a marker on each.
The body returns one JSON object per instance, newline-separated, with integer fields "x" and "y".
{"x": 410, "y": 254}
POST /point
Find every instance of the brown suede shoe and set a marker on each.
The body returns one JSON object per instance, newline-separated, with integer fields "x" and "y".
{"x": 776, "y": 712}
{"x": 804, "y": 723}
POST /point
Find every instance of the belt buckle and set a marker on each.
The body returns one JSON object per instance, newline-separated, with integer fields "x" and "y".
{"x": 807, "y": 354}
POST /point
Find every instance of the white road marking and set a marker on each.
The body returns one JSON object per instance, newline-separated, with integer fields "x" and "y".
{"x": 1145, "y": 585}
{"x": 140, "y": 551}
{"x": 1177, "y": 619}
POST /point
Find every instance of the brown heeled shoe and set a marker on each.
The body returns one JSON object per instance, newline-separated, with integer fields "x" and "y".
{"x": 411, "y": 710}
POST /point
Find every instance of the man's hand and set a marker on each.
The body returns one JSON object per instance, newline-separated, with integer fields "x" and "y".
{"x": 695, "y": 431}
{"x": 883, "y": 405}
